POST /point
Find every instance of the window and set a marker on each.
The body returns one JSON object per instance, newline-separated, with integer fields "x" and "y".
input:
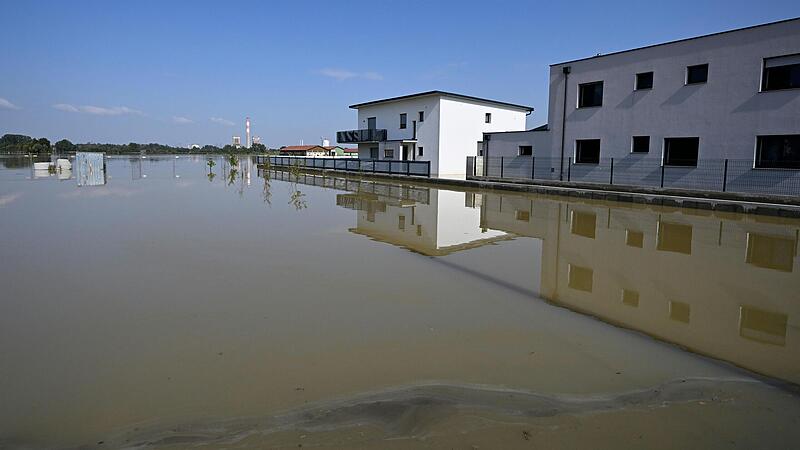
{"x": 680, "y": 311}
{"x": 401, "y": 222}
{"x": 590, "y": 94}
{"x": 371, "y": 123}
{"x": 781, "y": 152}
{"x": 781, "y": 73}
{"x": 763, "y": 326}
{"x": 630, "y": 298}
{"x": 480, "y": 148}
{"x": 488, "y": 118}
{"x": 640, "y": 144}
{"x": 681, "y": 151}
{"x": 697, "y": 74}
{"x": 587, "y": 151}
{"x": 583, "y": 224}
{"x": 522, "y": 216}
{"x": 770, "y": 252}
{"x": 580, "y": 278}
{"x": 525, "y": 150}
{"x": 373, "y": 153}
{"x": 644, "y": 81}
{"x": 403, "y": 120}
{"x": 422, "y": 116}
{"x": 634, "y": 238}
{"x": 419, "y": 151}
{"x": 388, "y": 153}
{"x": 674, "y": 237}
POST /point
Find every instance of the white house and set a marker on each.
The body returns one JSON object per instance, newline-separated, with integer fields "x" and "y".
{"x": 734, "y": 94}
{"x": 436, "y": 126}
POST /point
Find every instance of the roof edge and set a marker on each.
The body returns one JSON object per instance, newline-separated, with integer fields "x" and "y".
{"x": 443, "y": 94}
{"x": 677, "y": 41}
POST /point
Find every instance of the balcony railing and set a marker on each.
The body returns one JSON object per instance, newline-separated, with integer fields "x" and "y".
{"x": 354, "y": 136}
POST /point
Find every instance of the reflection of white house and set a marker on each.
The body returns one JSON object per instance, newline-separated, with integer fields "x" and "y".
{"x": 440, "y": 127}
{"x": 438, "y": 226}
{"x": 734, "y": 94}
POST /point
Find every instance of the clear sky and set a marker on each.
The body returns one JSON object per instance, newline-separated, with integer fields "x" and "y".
{"x": 189, "y": 72}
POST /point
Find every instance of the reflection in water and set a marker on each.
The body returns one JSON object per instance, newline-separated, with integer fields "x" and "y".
{"x": 625, "y": 274}
{"x": 90, "y": 169}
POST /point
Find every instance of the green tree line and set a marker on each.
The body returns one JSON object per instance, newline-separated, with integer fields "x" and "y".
{"x": 18, "y": 143}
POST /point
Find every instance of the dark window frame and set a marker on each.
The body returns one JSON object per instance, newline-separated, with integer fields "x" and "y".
{"x": 634, "y": 147}
{"x": 487, "y": 118}
{"x": 388, "y": 153}
{"x": 419, "y": 151}
{"x": 667, "y": 160}
{"x": 579, "y": 143}
{"x": 403, "y": 121}
{"x": 759, "y": 162}
{"x": 374, "y": 121}
{"x": 525, "y": 150}
{"x": 637, "y": 86}
{"x": 765, "y": 78}
{"x": 583, "y": 101}
{"x": 421, "y": 116}
{"x": 689, "y": 72}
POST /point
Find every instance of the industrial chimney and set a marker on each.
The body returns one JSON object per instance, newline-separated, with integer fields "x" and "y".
{"x": 247, "y": 130}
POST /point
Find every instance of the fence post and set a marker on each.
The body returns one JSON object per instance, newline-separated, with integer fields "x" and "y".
{"x": 569, "y": 168}
{"x": 533, "y": 166}
{"x": 501, "y": 167}
{"x": 662, "y": 173}
{"x": 611, "y": 177}
{"x": 725, "y": 175}
{"x": 373, "y": 166}
{"x": 408, "y": 168}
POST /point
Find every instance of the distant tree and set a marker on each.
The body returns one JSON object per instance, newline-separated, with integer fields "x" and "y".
{"x": 258, "y": 148}
{"x": 64, "y": 146}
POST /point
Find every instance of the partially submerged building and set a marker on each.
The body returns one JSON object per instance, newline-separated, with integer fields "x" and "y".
{"x": 441, "y": 127}
{"x": 734, "y": 94}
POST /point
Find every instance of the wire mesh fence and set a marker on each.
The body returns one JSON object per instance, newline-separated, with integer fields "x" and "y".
{"x": 721, "y": 175}
{"x": 395, "y": 167}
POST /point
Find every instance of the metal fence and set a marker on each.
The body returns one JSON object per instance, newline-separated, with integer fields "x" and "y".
{"x": 395, "y": 167}
{"x": 721, "y": 175}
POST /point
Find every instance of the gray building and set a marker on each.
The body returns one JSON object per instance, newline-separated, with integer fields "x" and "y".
{"x": 687, "y": 104}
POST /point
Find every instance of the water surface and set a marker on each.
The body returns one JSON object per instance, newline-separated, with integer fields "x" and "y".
{"x": 175, "y": 305}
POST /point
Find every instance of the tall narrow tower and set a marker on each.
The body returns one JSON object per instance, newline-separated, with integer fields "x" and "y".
{"x": 247, "y": 130}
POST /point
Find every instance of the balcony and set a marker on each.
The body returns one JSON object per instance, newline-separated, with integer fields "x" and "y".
{"x": 355, "y": 136}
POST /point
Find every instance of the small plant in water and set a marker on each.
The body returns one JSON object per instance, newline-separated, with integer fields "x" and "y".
{"x": 233, "y": 160}
{"x": 210, "y": 163}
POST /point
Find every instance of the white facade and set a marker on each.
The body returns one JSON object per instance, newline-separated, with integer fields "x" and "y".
{"x": 727, "y": 113}
{"x": 451, "y": 128}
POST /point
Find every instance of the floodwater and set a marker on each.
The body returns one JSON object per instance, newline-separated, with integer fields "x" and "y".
{"x": 172, "y": 306}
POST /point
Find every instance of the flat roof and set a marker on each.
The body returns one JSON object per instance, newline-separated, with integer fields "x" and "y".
{"x": 676, "y": 41}
{"x": 443, "y": 94}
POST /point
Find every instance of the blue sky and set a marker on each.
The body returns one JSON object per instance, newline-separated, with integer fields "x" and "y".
{"x": 189, "y": 72}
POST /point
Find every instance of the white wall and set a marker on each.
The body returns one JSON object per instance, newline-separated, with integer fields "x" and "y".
{"x": 388, "y": 118}
{"x": 462, "y": 125}
{"x": 507, "y": 144}
{"x": 726, "y": 113}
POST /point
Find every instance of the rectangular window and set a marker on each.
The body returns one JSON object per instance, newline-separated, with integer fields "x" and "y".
{"x": 644, "y": 81}
{"x": 422, "y": 116}
{"x": 674, "y": 237}
{"x": 587, "y": 151}
{"x": 634, "y": 238}
{"x": 680, "y": 311}
{"x": 373, "y": 153}
{"x": 522, "y": 216}
{"x": 525, "y": 150}
{"x": 480, "y": 148}
{"x": 388, "y": 153}
{"x": 403, "y": 120}
{"x": 630, "y": 298}
{"x": 583, "y": 224}
{"x": 590, "y": 94}
{"x": 580, "y": 278}
{"x": 488, "y": 118}
{"x": 697, "y": 74}
{"x": 681, "y": 151}
{"x": 371, "y": 123}
{"x": 779, "y": 152}
{"x": 419, "y": 151}
{"x": 401, "y": 222}
{"x": 782, "y": 72}
{"x": 770, "y": 252}
{"x": 640, "y": 144}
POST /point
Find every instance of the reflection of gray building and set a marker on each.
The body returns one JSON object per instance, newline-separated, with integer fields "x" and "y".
{"x": 726, "y": 287}
{"x": 90, "y": 168}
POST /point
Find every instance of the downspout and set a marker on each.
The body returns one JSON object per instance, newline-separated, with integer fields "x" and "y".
{"x": 566, "y": 70}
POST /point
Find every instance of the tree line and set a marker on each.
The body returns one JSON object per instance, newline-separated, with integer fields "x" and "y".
{"x": 21, "y": 144}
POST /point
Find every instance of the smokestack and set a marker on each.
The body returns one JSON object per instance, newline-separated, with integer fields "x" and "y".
{"x": 247, "y": 130}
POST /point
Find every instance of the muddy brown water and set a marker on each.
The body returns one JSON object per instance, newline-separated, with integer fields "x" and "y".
{"x": 168, "y": 308}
